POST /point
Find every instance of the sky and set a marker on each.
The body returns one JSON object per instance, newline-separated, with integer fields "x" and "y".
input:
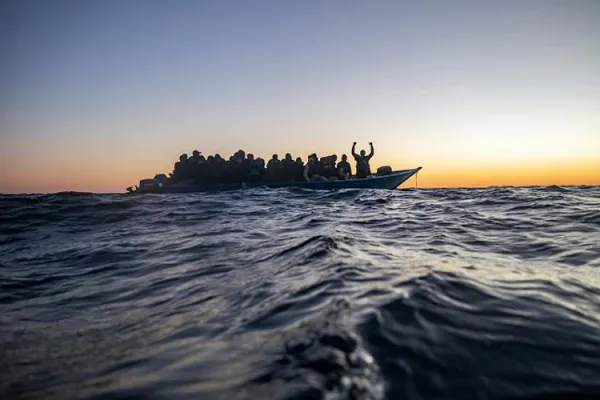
{"x": 96, "y": 95}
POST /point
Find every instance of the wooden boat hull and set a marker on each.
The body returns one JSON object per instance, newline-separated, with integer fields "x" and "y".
{"x": 391, "y": 181}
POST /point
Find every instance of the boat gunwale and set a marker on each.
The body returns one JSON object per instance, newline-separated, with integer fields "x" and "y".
{"x": 372, "y": 182}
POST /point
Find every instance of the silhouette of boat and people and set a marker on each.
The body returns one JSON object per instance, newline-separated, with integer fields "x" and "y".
{"x": 244, "y": 169}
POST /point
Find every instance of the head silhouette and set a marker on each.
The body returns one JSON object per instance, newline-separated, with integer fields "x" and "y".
{"x": 344, "y": 157}
{"x": 363, "y": 153}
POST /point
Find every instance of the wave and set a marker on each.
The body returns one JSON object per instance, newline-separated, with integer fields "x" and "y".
{"x": 291, "y": 293}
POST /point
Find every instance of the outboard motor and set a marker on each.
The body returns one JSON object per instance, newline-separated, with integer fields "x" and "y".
{"x": 149, "y": 185}
{"x": 385, "y": 170}
{"x": 161, "y": 179}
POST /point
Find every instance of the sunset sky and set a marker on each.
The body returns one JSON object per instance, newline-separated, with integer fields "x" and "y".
{"x": 95, "y": 95}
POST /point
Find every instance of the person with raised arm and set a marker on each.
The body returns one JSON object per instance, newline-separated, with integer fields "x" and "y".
{"x": 363, "y": 169}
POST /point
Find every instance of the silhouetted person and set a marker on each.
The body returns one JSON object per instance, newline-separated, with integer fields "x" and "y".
{"x": 334, "y": 160}
{"x": 195, "y": 157}
{"x": 329, "y": 168}
{"x": 344, "y": 169}
{"x": 299, "y": 170}
{"x": 261, "y": 166}
{"x": 180, "y": 169}
{"x": 310, "y": 171}
{"x": 249, "y": 163}
{"x": 287, "y": 168}
{"x": 363, "y": 169}
{"x": 199, "y": 168}
{"x": 219, "y": 168}
{"x": 239, "y": 172}
{"x": 320, "y": 166}
{"x": 254, "y": 168}
{"x": 273, "y": 168}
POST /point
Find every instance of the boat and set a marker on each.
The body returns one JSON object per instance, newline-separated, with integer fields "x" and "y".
{"x": 389, "y": 181}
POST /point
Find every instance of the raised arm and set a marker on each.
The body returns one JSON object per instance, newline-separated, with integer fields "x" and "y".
{"x": 372, "y": 151}
{"x": 353, "y": 149}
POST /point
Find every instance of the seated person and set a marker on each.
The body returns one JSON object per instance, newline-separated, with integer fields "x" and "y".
{"x": 287, "y": 168}
{"x": 239, "y": 172}
{"x": 332, "y": 165}
{"x": 261, "y": 167}
{"x": 197, "y": 167}
{"x": 254, "y": 168}
{"x": 195, "y": 158}
{"x": 273, "y": 168}
{"x": 180, "y": 169}
{"x": 326, "y": 169}
{"x": 329, "y": 170}
{"x": 310, "y": 171}
{"x": 299, "y": 170}
{"x": 343, "y": 168}
{"x": 320, "y": 166}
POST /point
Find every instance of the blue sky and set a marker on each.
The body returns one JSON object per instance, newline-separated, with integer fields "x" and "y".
{"x": 101, "y": 85}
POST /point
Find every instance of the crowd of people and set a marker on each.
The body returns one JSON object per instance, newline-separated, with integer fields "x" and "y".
{"x": 242, "y": 167}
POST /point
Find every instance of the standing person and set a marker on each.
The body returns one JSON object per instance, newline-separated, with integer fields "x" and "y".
{"x": 363, "y": 169}
{"x": 344, "y": 169}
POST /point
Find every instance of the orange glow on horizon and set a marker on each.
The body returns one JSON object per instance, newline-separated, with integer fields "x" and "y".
{"x": 525, "y": 175}
{"x": 103, "y": 177}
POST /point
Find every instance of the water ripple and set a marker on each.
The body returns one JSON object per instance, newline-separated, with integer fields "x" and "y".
{"x": 290, "y": 293}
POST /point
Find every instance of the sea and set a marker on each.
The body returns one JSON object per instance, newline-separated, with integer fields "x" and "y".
{"x": 296, "y": 294}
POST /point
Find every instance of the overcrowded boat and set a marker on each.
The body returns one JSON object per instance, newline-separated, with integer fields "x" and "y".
{"x": 241, "y": 171}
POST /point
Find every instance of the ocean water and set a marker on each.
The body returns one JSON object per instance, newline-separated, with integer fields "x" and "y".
{"x": 297, "y": 294}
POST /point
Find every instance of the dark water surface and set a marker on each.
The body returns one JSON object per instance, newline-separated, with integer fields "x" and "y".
{"x": 295, "y": 294}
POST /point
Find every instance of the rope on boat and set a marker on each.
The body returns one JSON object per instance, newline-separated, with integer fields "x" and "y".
{"x": 417, "y": 180}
